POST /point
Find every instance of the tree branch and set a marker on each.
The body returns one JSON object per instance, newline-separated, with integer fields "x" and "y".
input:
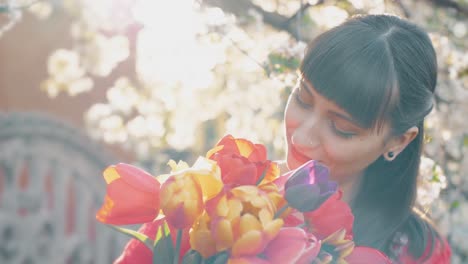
{"x": 278, "y": 21}
{"x": 405, "y": 10}
{"x": 463, "y": 9}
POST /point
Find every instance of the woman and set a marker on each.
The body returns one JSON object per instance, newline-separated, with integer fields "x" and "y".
{"x": 359, "y": 106}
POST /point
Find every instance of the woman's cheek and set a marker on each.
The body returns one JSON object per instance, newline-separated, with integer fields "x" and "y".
{"x": 293, "y": 117}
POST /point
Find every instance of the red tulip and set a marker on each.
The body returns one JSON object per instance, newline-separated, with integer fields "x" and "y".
{"x": 242, "y": 162}
{"x": 247, "y": 260}
{"x": 367, "y": 255}
{"x": 243, "y": 147}
{"x": 333, "y": 215}
{"x": 137, "y": 252}
{"x": 132, "y": 196}
{"x": 292, "y": 245}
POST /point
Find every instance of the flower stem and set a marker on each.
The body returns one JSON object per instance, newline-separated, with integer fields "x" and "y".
{"x": 262, "y": 177}
{"x": 302, "y": 225}
{"x": 281, "y": 211}
{"x": 177, "y": 249}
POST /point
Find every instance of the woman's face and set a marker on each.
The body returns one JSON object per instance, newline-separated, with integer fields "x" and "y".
{"x": 318, "y": 129}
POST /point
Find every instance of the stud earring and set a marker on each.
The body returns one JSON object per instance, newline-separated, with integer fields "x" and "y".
{"x": 389, "y": 155}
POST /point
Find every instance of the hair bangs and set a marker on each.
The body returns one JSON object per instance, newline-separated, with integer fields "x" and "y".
{"x": 362, "y": 81}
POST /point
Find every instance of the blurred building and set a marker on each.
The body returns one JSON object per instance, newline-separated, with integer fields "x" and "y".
{"x": 50, "y": 171}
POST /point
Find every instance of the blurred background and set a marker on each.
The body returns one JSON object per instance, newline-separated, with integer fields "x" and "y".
{"x": 88, "y": 83}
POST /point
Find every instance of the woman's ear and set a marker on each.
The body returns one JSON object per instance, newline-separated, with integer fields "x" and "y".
{"x": 398, "y": 143}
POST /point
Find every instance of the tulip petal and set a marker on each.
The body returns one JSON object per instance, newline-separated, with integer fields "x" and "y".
{"x": 181, "y": 200}
{"x": 124, "y": 213}
{"x": 214, "y": 150}
{"x": 292, "y": 245}
{"x": 272, "y": 172}
{"x": 254, "y": 152}
{"x": 137, "y": 252}
{"x": 246, "y": 148}
{"x": 248, "y": 223}
{"x": 243, "y": 147}
{"x": 244, "y": 174}
{"x": 208, "y": 174}
{"x": 202, "y": 242}
{"x": 302, "y": 175}
{"x": 248, "y": 260}
{"x": 303, "y": 197}
{"x": 272, "y": 228}
{"x": 137, "y": 178}
{"x": 236, "y": 154}
{"x": 132, "y": 196}
{"x": 366, "y": 255}
{"x": 110, "y": 174}
{"x": 331, "y": 216}
{"x": 249, "y": 244}
{"x": 223, "y": 234}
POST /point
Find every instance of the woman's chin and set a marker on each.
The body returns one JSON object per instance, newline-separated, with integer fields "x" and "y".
{"x": 292, "y": 163}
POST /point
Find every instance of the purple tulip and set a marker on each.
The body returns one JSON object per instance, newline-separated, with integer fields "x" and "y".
{"x": 308, "y": 186}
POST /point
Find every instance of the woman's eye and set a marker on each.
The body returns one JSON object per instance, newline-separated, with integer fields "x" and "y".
{"x": 341, "y": 133}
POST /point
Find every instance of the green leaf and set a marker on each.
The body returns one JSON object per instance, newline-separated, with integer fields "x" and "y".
{"x": 163, "y": 251}
{"x": 134, "y": 234}
{"x": 192, "y": 257}
{"x": 221, "y": 258}
{"x": 177, "y": 249}
{"x": 281, "y": 63}
{"x": 465, "y": 141}
{"x": 455, "y": 204}
{"x": 164, "y": 229}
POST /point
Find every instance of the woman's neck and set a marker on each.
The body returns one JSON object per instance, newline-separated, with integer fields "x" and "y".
{"x": 350, "y": 188}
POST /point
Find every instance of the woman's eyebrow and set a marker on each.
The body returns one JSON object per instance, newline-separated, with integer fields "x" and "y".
{"x": 307, "y": 87}
{"x": 310, "y": 91}
{"x": 347, "y": 118}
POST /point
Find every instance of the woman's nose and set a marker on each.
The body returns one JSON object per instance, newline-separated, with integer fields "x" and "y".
{"x": 306, "y": 135}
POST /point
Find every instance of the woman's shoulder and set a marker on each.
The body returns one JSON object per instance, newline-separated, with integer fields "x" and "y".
{"x": 436, "y": 249}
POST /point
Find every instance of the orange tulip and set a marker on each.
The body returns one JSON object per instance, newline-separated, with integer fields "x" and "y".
{"x": 132, "y": 196}
{"x": 182, "y": 200}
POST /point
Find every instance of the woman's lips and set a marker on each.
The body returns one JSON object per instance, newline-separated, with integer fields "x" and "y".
{"x": 298, "y": 156}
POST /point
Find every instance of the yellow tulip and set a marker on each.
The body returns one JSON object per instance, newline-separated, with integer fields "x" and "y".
{"x": 201, "y": 239}
{"x": 242, "y": 220}
{"x": 181, "y": 200}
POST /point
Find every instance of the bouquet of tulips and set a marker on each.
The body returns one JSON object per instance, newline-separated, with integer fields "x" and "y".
{"x": 232, "y": 206}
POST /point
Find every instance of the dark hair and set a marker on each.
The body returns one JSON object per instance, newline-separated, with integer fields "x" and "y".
{"x": 380, "y": 68}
